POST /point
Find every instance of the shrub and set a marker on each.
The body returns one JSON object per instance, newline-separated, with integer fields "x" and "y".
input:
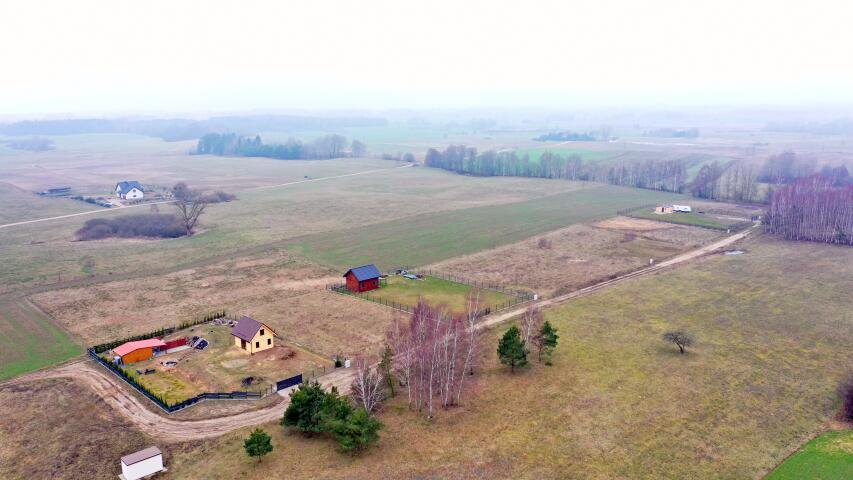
{"x": 150, "y": 225}
{"x": 846, "y": 392}
{"x": 218, "y": 197}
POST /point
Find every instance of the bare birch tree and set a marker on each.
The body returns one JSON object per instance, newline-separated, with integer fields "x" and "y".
{"x": 366, "y": 386}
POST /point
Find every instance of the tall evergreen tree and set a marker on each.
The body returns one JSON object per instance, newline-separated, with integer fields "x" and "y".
{"x": 306, "y": 409}
{"x": 511, "y": 349}
{"x": 386, "y": 366}
{"x": 546, "y": 341}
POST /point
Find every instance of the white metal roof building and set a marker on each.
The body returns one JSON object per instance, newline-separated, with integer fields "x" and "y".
{"x": 141, "y": 464}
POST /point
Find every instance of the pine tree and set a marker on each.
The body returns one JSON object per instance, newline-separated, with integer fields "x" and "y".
{"x": 305, "y": 409}
{"x": 385, "y": 366}
{"x": 546, "y": 341}
{"x": 356, "y": 431}
{"x": 258, "y": 444}
{"x": 511, "y": 349}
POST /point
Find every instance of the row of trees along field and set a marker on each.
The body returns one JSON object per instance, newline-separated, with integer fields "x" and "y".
{"x": 813, "y": 209}
{"x": 231, "y": 144}
{"x": 667, "y": 175}
{"x": 736, "y": 180}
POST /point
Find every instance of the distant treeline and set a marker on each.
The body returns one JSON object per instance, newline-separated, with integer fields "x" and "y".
{"x": 149, "y": 225}
{"x": 33, "y": 144}
{"x": 813, "y": 209}
{"x": 737, "y": 180}
{"x": 184, "y": 129}
{"x": 667, "y": 175}
{"x": 566, "y": 136}
{"x": 841, "y": 126}
{"x": 231, "y": 144}
{"x": 672, "y": 133}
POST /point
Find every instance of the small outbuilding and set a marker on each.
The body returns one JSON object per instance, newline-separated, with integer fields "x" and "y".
{"x": 142, "y": 464}
{"x": 363, "y": 278}
{"x": 139, "y": 350}
{"x": 130, "y": 190}
{"x": 252, "y": 336}
{"x": 682, "y": 208}
{"x": 663, "y": 209}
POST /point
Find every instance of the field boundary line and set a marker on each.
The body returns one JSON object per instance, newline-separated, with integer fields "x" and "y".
{"x": 145, "y": 204}
{"x": 126, "y": 404}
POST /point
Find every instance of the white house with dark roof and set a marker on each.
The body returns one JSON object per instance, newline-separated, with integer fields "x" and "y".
{"x": 130, "y": 190}
{"x": 252, "y": 336}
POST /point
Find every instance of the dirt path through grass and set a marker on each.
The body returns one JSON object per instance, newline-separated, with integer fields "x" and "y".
{"x": 138, "y": 411}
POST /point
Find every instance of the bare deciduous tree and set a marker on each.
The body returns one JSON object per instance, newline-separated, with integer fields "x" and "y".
{"x": 679, "y": 338}
{"x": 367, "y": 386}
{"x": 190, "y": 205}
{"x": 531, "y": 323}
{"x": 432, "y": 355}
{"x": 358, "y": 148}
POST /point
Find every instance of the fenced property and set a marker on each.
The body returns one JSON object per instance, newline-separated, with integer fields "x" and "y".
{"x": 160, "y": 399}
{"x": 693, "y": 219}
{"x": 402, "y": 289}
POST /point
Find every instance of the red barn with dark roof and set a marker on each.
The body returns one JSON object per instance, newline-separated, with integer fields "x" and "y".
{"x": 363, "y": 278}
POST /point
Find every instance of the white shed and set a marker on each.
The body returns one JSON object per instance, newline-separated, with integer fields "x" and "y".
{"x": 141, "y": 464}
{"x": 682, "y": 208}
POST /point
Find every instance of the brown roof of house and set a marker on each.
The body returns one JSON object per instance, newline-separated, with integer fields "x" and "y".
{"x": 247, "y": 327}
{"x": 141, "y": 455}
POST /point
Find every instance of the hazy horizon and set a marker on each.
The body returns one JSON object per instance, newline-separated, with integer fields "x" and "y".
{"x": 97, "y": 57}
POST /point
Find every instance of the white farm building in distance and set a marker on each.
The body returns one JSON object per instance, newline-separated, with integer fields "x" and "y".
{"x": 130, "y": 190}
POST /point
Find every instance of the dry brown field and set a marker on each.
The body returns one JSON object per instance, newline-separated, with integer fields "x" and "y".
{"x": 578, "y": 255}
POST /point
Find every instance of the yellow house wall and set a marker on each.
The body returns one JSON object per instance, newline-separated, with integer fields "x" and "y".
{"x": 260, "y": 340}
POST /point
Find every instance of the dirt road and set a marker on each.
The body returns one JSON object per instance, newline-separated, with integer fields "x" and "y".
{"x": 279, "y": 185}
{"x": 141, "y": 413}
{"x": 114, "y": 392}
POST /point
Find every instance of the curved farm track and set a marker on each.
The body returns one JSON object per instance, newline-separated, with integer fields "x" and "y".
{"x": 139, "y": 411}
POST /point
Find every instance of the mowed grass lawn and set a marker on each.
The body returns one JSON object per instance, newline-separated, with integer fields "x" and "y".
{"x": 774, "y": 338}
{"x": 693, "y": 219}
{"x": 431, "y": 237}
{"x": 435, "y": 291}
{"x": 827, "y": 457}
{"x": 29, "y": 340}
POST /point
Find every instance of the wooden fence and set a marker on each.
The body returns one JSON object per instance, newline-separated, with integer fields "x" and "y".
{"x": 516, "y": 296}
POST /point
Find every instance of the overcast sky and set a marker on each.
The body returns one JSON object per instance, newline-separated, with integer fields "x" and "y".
{"x": 86, "y": 56}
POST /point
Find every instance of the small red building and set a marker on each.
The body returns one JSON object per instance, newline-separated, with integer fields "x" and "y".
{"x": 363, "y": 278}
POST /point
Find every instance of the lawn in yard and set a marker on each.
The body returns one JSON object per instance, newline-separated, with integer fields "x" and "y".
{"x": 693, "y": 218}
{"x": 29, "y": 340}
{"x": 436, "y": 291}
{"x": 221, "y": 367}
{"x": 827, "y": 457}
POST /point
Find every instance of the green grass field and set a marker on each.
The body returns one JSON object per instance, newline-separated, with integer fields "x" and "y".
{"x": 429, "y": 238}
{"x": 693, "y": 219}
{"x": 586, "y": 155}
{"x": 29, "y": 340}
{"x": 435, "y": 291}
{"x": 827, "y": 457}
